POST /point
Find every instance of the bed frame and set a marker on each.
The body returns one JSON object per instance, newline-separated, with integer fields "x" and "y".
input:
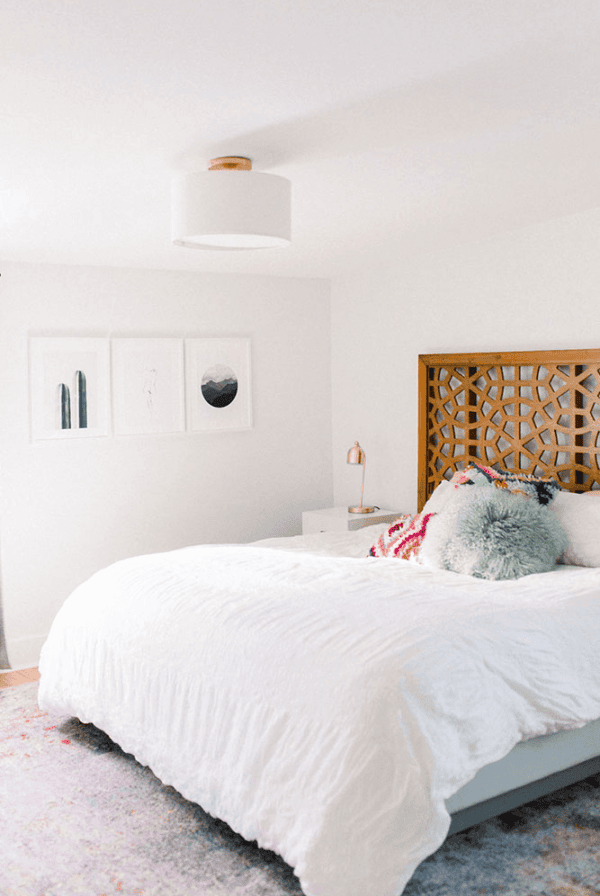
{"x": 536, "y": 413}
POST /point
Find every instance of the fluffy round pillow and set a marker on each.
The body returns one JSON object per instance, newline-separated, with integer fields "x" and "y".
{"x": 493, "y": 534}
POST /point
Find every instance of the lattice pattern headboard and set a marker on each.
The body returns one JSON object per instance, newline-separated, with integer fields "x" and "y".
{"x": 537, "y": 412}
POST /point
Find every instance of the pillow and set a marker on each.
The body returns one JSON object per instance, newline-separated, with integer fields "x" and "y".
{"x": 493, "y": 534}
{"x": 439, "y": 496}
{"x": 580, "y": 518}
{"x": 404, "y": 537}
{"x": 544, "y": 490}
{"x": 474, "y": 474}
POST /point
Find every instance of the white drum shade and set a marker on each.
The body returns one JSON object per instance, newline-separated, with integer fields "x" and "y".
{"x": 231, "y": 210}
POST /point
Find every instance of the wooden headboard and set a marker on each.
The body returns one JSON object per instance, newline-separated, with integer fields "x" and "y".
{"x": 535, "y": 412}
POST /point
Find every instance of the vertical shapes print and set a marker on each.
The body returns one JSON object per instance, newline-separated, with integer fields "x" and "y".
{"x": 69, "y": 387}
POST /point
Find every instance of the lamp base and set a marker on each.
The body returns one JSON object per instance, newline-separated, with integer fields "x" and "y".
{"x": 361, "y": 509}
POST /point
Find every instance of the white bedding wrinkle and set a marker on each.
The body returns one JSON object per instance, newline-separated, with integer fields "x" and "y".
{"x": 325, "y": 706}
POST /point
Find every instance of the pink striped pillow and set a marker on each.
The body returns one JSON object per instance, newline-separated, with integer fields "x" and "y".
{"x": 404, "y": 537}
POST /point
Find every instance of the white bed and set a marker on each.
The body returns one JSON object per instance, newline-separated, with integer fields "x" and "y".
{"x": 325, "y": 706}
{"x": 333, "y": 706}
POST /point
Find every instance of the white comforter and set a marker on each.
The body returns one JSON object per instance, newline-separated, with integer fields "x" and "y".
{"x": 325, "y": 706}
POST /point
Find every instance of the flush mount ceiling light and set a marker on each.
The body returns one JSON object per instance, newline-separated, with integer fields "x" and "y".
{"x": 231, "y": 207}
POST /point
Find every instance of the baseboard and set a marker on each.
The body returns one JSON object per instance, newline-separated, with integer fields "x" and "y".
{"x": 18, "y": 676}
{"x": 23, "y": 653}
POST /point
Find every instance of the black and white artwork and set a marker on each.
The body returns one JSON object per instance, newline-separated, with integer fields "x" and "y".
{"x": 218, "y": 384}
{"x": 69, "y": 387}
{"x": 147, "y": 385}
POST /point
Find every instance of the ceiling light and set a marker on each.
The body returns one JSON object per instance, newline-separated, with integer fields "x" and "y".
{"x": 231, "y": 207}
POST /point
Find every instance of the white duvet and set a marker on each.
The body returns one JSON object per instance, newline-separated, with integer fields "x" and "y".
{"x": 325, "y": 706}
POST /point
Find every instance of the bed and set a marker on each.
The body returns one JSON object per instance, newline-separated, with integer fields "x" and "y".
{"x": 537, "y": 412}
{"x": 349, "y": 710}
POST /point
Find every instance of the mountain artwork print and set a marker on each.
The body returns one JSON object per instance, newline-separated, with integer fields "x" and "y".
{"x": 219, "y": 386}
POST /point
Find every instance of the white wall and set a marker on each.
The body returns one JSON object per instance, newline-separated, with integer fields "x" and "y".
{"x": 537, "y": 288}
{"x": 69, "y": 508}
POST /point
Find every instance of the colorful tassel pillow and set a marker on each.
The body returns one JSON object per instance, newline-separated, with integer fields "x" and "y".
{"x": 543, "y": 490}
{"x": 404, "y": 537}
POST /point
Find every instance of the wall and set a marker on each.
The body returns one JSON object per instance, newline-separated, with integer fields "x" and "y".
{"x": 70, "y": 508}
{"x": 537, "y": 288}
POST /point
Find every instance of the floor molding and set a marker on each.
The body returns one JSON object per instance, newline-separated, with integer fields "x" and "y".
{"x": 18, "y": 676}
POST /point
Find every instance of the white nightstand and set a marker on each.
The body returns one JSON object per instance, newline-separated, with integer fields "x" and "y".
{"x": 337, "y": 519}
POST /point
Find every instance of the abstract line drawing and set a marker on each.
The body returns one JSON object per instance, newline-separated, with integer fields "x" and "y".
{"x": 69, "y": 386}
{"x": 149, "y": 389}
{"x": 218, "y": 384}
{"x": 147, "y": 377}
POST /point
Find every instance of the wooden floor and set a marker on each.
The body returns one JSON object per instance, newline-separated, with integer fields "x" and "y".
{"x": 19, "y": 676}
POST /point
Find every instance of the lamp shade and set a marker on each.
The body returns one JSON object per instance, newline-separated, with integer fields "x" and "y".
{"x": 356, "y": 455}
{"x": 231, "y": 208}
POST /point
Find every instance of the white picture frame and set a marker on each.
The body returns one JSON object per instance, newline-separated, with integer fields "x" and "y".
{"x": 218, "y": 384}
{"x": 69, "y": 387}
{"x": 147, "y": 385}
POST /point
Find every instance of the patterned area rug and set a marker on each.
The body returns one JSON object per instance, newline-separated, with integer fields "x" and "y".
{"x": 82, "y": 817}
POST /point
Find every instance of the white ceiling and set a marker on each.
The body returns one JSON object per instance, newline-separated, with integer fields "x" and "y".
{"x": 404, "y": 125}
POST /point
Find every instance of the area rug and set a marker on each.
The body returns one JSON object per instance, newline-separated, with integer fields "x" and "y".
{"x": 82, "y": 818}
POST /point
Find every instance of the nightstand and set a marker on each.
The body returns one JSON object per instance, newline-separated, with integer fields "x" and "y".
{"x": 337, "y": 519}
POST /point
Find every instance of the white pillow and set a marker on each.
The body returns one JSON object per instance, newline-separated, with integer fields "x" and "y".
{"x": 580, "y": 518}
{"x": 438, "y": 499}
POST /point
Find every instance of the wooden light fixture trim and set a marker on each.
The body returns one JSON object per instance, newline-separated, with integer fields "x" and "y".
{"x": 230, "y": 163}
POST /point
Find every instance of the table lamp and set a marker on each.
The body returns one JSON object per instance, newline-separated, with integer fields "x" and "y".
{"x": 357, "y": 456}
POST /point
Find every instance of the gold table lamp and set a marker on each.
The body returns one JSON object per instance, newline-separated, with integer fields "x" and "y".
{"x": 356, "y": 455}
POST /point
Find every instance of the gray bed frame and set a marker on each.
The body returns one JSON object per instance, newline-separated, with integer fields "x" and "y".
{"x": 532, "y": 769}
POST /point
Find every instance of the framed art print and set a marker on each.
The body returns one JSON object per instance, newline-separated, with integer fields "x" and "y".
{"x": 147, "y": 386}
{"x": 69, "y": 387}
{"x": 218, "y": 384}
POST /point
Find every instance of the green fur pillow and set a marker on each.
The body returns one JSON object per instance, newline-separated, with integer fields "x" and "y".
{"x": 493, "y": 534}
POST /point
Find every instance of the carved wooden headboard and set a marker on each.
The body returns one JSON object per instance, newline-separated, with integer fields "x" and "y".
{"x": 535, "y": 412}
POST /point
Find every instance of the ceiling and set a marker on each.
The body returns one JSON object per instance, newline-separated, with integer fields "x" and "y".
{"x": 403, "y": 126}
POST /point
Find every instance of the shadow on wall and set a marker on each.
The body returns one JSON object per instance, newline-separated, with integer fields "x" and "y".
{"x": 4, "y": 662}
